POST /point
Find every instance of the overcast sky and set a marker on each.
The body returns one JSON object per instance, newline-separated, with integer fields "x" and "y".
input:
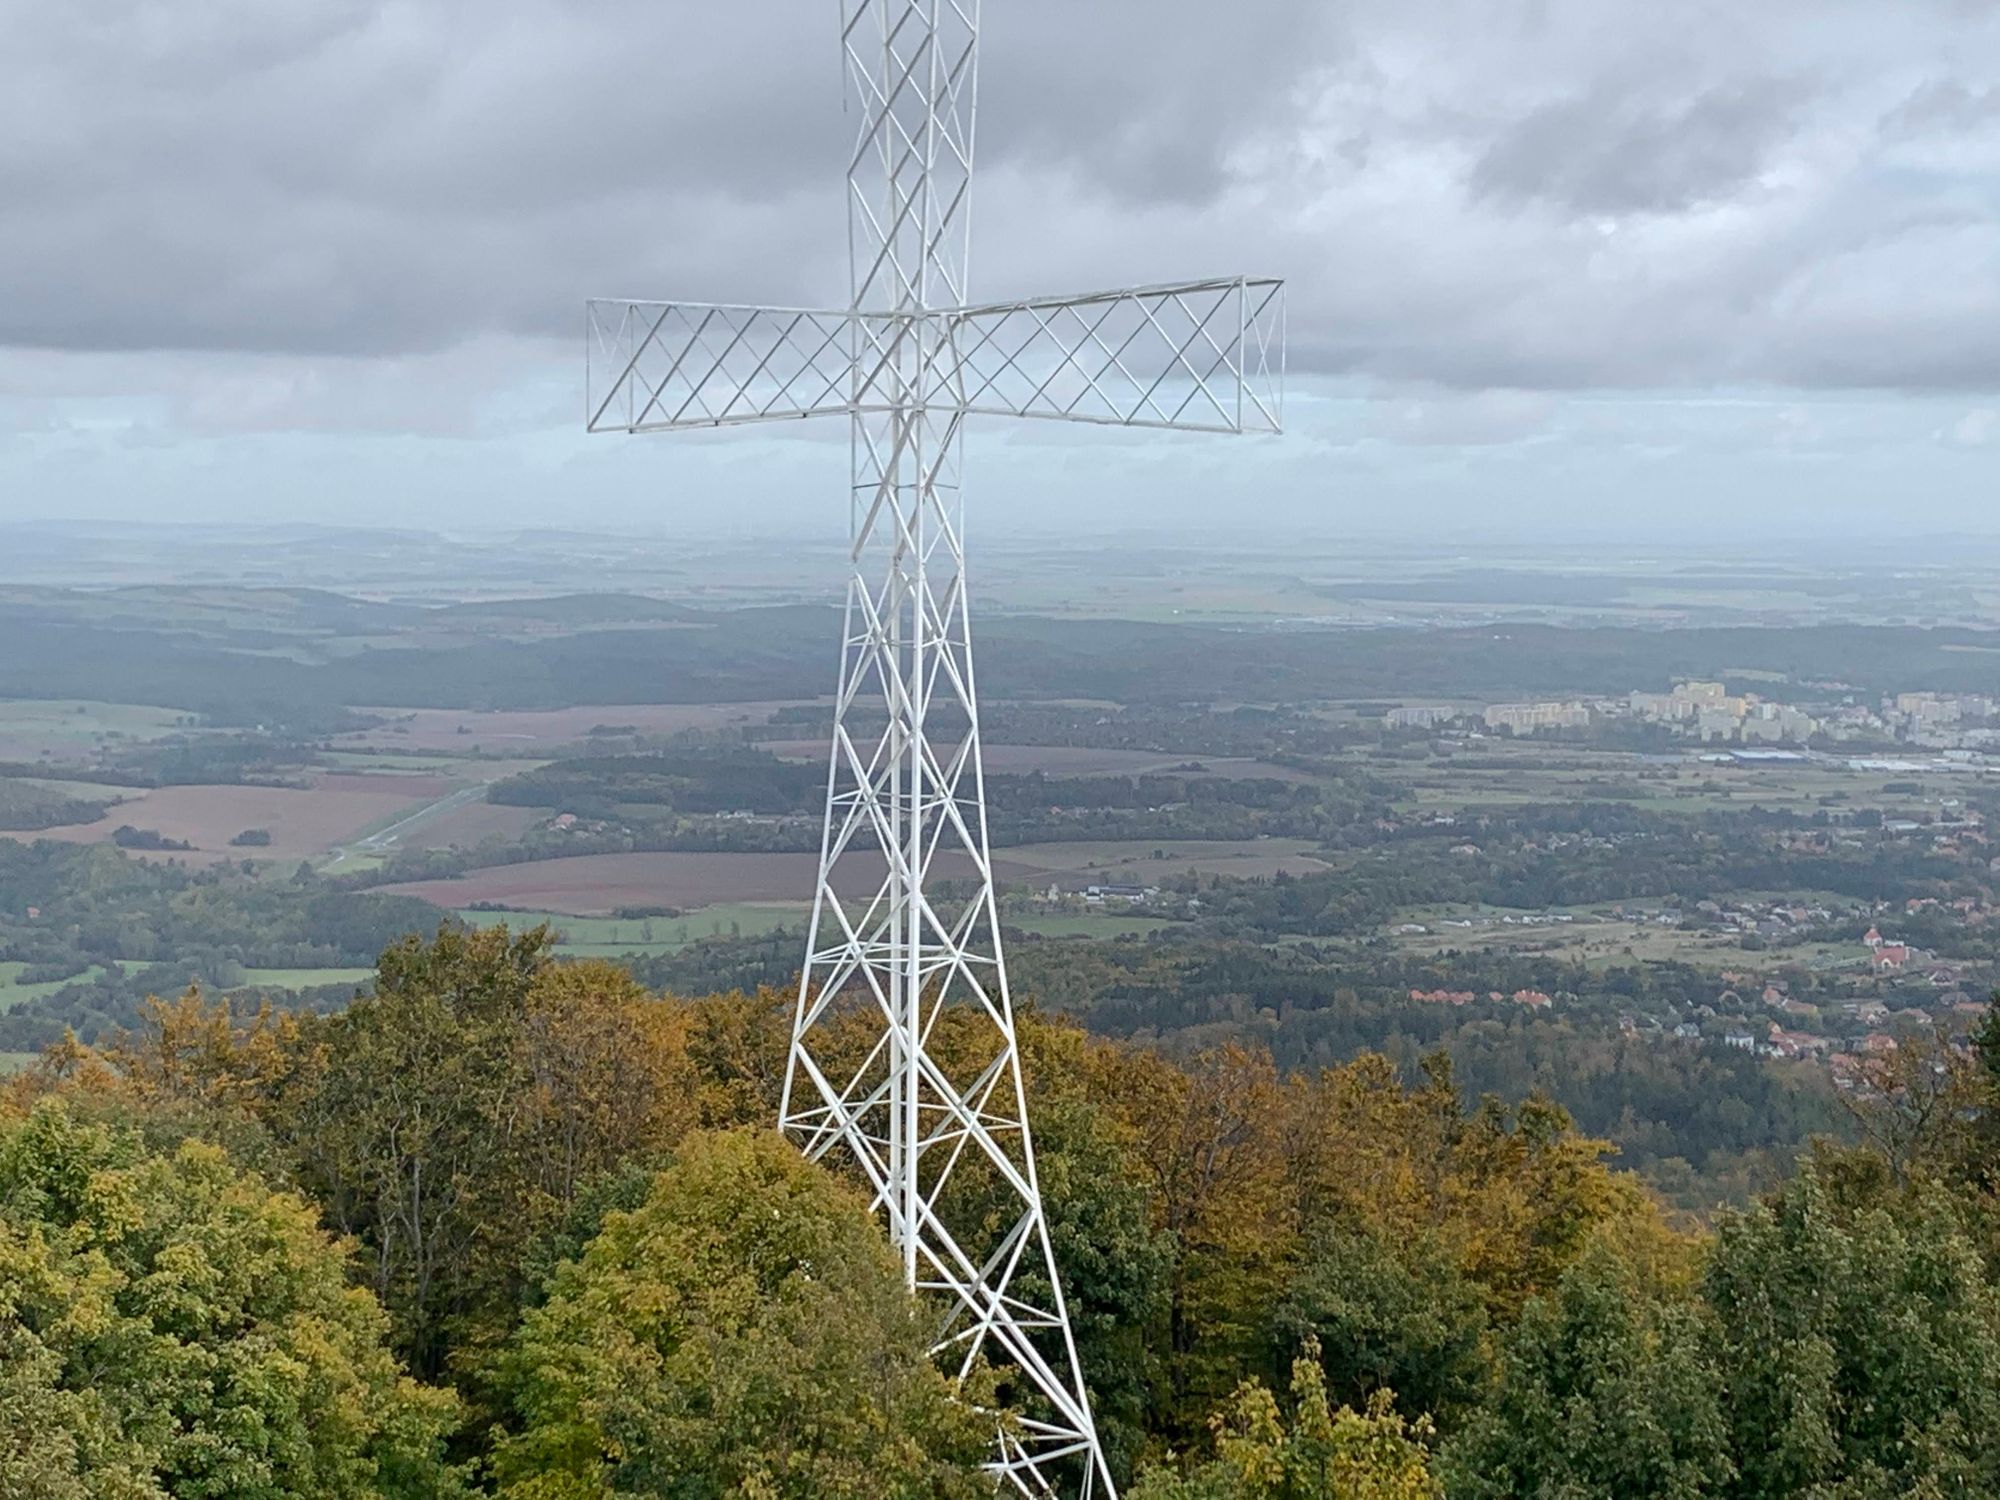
{"x": 1596, "y": 265}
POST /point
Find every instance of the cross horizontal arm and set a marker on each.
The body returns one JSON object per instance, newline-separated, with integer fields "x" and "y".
{"x": 1202, "y": 355}
{"x": 658, "y": 365}
{"x": 1206, "y": 356}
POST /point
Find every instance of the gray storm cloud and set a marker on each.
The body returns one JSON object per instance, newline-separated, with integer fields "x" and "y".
{"x": 1528, "y": 194}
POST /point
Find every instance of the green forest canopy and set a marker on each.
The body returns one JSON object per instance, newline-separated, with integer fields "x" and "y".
{"x": 1334, "y": 1282}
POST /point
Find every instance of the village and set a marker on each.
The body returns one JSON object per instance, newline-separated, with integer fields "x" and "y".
{"x": 1708, "y": 713}
{"x": 1848, "y": 1001}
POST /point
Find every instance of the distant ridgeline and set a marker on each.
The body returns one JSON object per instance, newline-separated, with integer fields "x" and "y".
{"x": 274, "y": 656}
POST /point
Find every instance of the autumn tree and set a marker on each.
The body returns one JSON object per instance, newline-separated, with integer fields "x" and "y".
{"x": 169, "y": 1325}
{"x": 738, "y": 1045}
{"x": 1208, "y": 1138}
{"x": 1916, "y": 1108}
{"x": 1986, "y": 1100}
{"x": 1117, "y": 1259}
{"x": 606, "y": 1073}
{"x": 1509, "y": 1198}
{"x": 743, "y": 1332}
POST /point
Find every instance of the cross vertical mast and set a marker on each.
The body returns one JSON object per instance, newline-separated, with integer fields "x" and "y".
{"x": 903, "y": 1057}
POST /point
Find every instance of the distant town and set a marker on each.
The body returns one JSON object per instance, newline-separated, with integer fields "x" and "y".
{"x": 1709, "y": 713}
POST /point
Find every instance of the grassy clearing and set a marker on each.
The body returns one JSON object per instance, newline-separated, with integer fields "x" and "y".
{"x": 1154, "y": 861}
{"x": 14, "y": 1062}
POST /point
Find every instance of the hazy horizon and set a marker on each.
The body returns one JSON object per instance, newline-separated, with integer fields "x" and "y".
{"x": 1713, "y": 272}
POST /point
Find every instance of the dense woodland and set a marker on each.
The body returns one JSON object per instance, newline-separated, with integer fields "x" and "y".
{"x": 517, "y": 1226}
{"x": 108, "y": 930}
{"x": 1708, "y": 1122}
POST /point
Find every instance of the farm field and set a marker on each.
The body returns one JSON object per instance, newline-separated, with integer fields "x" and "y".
{"x": 614, "y": 937}
{"x": 68, "y": 730}
{"x": 461, "y": 731}
{"x": 1147, "y": 862}
{"x": 303, "y": 821}
{"x": 473, "y": 822}
{"x": 1076, "y": 760}
{"x": 358, "y": 816}
{"x": 13, "y": 993}
{"x": 594, "y": 884}
{"x": 410, "y": 763}
{"x": 89, "y": 791}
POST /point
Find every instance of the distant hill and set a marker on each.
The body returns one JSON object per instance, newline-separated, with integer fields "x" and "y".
{"x": 568, "y": 609}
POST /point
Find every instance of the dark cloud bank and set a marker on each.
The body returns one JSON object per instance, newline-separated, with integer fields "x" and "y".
{"x": 1518, "y": 193}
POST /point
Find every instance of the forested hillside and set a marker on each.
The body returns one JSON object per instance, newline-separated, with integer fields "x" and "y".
{"x": 522, "y": 1223}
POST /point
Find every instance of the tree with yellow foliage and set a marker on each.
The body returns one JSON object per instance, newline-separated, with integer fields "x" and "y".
{"x": 171, "y": 1326}
{"x": 744, "y": 1331}
{"x": 1320, "y": 1454}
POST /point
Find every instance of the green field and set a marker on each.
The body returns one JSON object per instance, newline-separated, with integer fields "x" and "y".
{"x": 415, "y": 762}
{"x": 13, "y": 993}
{"x": 91, "y": 791}
{"x": 428, "y": 763}
{"x": 14, "y": 1062}
{"x": 1607, "y": 942}
{"x": 614, "y": 937}
{"x": 1514, "y": 773}
{"x": 302, "y": 979}
{"x": 68, "y": 728}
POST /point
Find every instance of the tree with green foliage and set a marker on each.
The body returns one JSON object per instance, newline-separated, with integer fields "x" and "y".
{"x": 1117, "y": 1264}
{"x": 744, "y": 1334}
{"x": 1387, "y": 1315}
{"x": 1320, "y": 1454}
{"x": 170, "y": 1326}
{"x": 1600, "y": 1392}
{"x": 402, "y": 1114}
{"x": 455, "y": 1114}
{"x": 1857, "y": 1352}
{"x": 1983, "y": 1147}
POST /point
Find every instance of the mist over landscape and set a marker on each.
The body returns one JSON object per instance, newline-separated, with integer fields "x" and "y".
{"x": 1451, "y": 951}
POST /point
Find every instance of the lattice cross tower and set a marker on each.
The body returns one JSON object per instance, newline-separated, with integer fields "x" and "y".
{"x": 903, "y": 1053}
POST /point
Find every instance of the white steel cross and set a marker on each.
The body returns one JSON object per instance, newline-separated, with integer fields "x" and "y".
{"x": 903, "y": 1050}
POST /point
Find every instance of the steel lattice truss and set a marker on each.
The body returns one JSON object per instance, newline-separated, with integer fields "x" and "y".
{"x": 903, "y": 1058}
